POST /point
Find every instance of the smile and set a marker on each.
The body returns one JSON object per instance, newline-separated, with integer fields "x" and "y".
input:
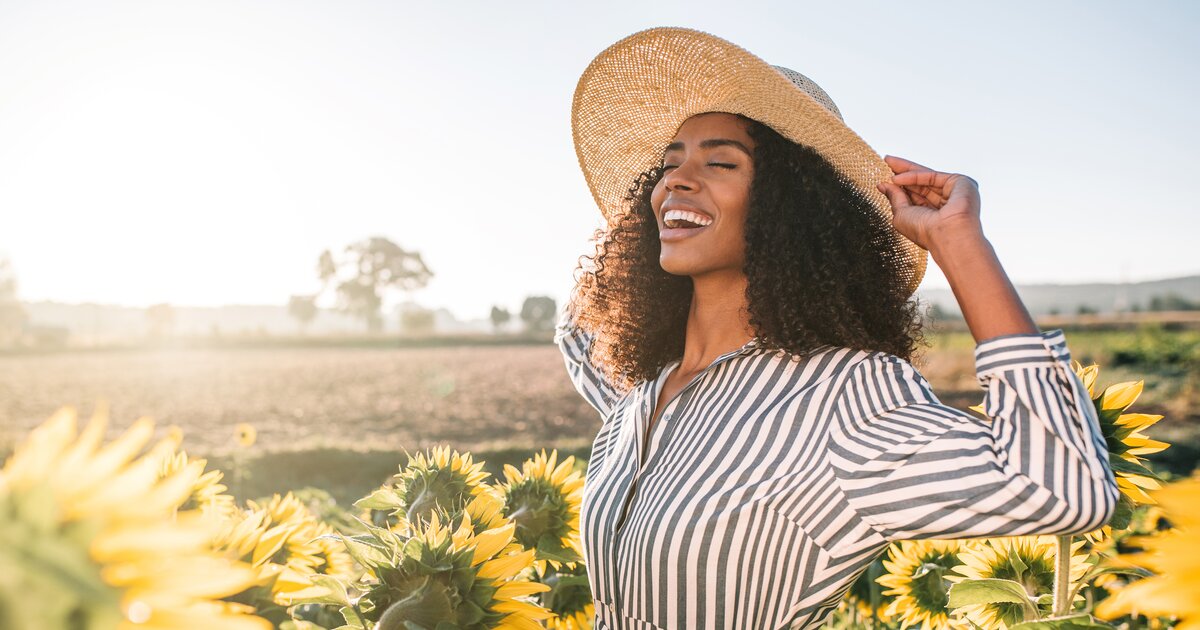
{"x": 678, "y": 234}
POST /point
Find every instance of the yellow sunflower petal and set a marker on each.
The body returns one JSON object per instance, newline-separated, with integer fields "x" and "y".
{"x": 1120, "y": 395}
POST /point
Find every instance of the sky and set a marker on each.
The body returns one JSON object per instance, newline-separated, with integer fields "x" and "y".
{"x": 206, "y": 153}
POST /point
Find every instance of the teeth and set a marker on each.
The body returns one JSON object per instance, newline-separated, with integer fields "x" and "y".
{"x": 673, "y": 217}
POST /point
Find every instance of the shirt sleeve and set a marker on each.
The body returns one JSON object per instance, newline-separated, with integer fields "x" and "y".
{"x": 589, "y": 381}
{"x": 915, "y": 468}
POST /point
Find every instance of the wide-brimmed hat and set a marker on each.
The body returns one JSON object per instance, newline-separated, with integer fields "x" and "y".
{"x": 634, "y": 95}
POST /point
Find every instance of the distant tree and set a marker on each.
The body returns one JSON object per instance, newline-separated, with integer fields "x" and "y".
{"x": 161, "y": 319}
{"x": 937, "y": 313}
{"x": 500, "y": 317}
{"x": 1084, "y": 309}
{"x": 304, "y": 309}
{"x": 13, "y": 317}
{"x": 1172, "y": 302}
{"x": 326, "y": 269}
{"x": 369, "y": 268}
{"x": 538, "y": 313}
{"x": 416, "y": 320}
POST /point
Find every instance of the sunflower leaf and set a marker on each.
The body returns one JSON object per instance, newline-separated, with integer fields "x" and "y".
{"x": 353, "y": 619}
{"x": 337, "y": 594}
{"x": 1123, "y": 514}
{"x": 1070, "y": 622}
{"x": 991, "y": 591}
{"x": 1098, "y": 571}
{"x": 1120, "y": 464}
{"x": 381, "y": 499}
{"x": 425, "y": 606}
{"x": 367, "y": 551}
{"x": 550, "y": 547}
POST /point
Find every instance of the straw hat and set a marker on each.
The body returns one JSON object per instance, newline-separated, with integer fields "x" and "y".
{"x": 635, "y": 94}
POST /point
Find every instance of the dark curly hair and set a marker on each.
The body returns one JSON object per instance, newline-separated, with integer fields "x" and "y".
{"x": 814, "y": 275}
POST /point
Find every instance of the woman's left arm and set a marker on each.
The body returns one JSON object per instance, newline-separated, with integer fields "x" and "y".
{"x": 914, "y": 467}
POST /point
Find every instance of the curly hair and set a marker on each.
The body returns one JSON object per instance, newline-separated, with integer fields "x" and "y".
{"x": 815, "y": 276}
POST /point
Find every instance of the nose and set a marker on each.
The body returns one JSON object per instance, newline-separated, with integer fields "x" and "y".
{"x": 680, "y": 177}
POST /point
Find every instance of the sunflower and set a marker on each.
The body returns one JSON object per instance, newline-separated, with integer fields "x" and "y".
{"x": 283, "y": 540}
{"x": 543, "y": 500}
{"x": 1174, "y": 557}
{"x": 569, "y": 598}
{"x": 245, "y": 434}
{"x": 208, "y": 494}
{"x": 440, "y": 478}
{"x": 915, "y": 577}
{"x": 1027, "y": 560}
{"x": 440, "y": 575}
{"x": 1123, "y": 434}
{"x": 284, "y": 508}
{"x": 102, "y": 541}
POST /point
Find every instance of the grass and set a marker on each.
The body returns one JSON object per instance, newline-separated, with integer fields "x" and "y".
{"x": 348, "y": 475}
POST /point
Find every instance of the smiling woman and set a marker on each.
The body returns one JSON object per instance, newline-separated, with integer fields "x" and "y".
{"x": 788, "y": 233}
{"x": 746, "y": 331}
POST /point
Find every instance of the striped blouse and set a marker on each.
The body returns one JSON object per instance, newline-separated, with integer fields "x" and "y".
{"x": 771, "y": 481}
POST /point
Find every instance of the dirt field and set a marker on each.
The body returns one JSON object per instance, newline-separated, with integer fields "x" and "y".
{"x": 470, "y": 397}
{"x": 477, "y": 398}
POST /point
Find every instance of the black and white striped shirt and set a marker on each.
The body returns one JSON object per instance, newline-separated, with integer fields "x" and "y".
{"x": 770, "y": 482}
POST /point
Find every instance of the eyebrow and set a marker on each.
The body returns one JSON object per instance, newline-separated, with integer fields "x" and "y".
{"x": 710, "y": 143}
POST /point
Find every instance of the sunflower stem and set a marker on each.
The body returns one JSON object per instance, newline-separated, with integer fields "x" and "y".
{"x": 1062, "y": 576}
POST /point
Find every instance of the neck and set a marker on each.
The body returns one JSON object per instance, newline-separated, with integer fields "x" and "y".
{"x": 718, "y": 320}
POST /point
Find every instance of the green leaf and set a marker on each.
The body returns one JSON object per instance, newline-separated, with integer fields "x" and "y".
{"x": 1123, "y": 514}
{"x": 367, "y": 551}
{"x": 294, "y": 624}
{"x": 991, "y": 591}
{"x": 1120, "y": 464}
{"x": 338, "y": 593}
{"x": 1018, "y": 565}
{"x": 573, "y": 580}
{"x": 1098, "y": 571}
{"x": 425, "y": 606}
{"x": 354, "y": 621}
{"x": 550, "y": 547}
{"x": 381, "y": 499}
{"x": 469, "y": 613}
{"x": 1069, "y": 622}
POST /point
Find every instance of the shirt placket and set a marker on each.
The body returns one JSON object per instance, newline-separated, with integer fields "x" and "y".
{"x": 642, "y": 444}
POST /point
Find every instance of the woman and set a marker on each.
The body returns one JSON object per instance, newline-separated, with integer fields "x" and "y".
{"x": 746, "y": 332}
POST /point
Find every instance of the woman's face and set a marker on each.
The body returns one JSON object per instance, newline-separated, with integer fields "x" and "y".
{"x": 708, "y": 171}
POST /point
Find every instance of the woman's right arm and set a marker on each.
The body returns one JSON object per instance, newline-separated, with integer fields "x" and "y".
{"x": 575, "y": 345}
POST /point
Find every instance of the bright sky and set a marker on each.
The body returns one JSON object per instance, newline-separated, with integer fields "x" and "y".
{"x": 205, "y": 153}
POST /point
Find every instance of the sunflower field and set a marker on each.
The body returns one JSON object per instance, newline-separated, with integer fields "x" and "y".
{"x": 135, "y": 534}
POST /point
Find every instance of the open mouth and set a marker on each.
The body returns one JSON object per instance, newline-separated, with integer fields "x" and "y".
{"x": 681, "y": 223}
{"x": 675, "y": 233}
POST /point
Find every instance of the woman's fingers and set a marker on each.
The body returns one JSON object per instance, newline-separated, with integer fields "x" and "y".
{"x": 901, "y": 165}
{"x": 962, "y": 191}
{"x": 895, "y": 194}
{"x": 922, "y": 200}
{"x": 933, "y": 179}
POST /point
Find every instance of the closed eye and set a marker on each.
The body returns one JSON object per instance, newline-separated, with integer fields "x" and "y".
{"x": 720, "y": 164}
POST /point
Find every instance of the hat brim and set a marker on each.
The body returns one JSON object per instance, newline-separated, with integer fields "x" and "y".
{"x": 634, "y": 95}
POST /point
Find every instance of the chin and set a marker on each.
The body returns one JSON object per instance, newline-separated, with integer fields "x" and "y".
{"x": 681, "y": 265}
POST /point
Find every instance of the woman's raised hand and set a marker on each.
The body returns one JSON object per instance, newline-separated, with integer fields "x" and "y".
{"x": 931, "y": 205}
